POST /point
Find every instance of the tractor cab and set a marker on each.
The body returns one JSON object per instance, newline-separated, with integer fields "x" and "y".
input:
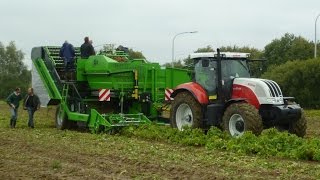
{"x": 207, "y": 72}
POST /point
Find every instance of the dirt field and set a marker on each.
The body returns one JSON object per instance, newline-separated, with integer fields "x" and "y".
{"x": 47, "y": 153}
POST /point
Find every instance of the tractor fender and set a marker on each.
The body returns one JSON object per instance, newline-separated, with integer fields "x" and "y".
{"x": 236, "y": 100}
{"x": 195, "y": 89}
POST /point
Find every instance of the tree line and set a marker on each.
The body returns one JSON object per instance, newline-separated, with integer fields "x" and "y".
{"x": 280, "y": 50}
{"x": 13, "y": 72}
{"x": 288, "y": 61}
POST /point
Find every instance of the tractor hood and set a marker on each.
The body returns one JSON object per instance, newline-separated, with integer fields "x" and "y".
{"x": 257, "y": 91}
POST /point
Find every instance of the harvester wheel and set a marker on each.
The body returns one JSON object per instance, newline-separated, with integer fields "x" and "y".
{"x": 299, "y": 127}
{"x": 185, "y": 111}
{"x": 241, "y": 117}
{"x": 62, "y": 121}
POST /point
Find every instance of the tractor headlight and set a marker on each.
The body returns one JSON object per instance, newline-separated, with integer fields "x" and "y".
{"x": 271, "y": 100}
{"x": 275, "y": 100}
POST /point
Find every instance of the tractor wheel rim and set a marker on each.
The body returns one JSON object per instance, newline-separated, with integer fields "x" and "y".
{"x": 236, "y": 125}
{"x": 60, "y": 117}
{"x": 184, "y": 116}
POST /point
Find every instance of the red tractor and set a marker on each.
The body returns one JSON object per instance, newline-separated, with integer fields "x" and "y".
{"x": 223, "y": 94}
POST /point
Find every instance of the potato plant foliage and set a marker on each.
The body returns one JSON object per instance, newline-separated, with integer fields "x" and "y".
{"x": 270, "y": 143}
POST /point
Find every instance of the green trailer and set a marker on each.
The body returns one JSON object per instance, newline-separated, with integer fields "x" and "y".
{"x": 109, "y": 90}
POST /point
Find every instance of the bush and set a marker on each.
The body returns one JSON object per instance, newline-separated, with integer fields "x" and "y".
{"x": 299, "y": 79}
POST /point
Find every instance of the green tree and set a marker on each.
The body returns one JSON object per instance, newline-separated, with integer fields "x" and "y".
{"x": 136, "y": 54}
{"x": 176, "y": 64}
{"x": 254, "y": 52}
{"x": 256, "y": 67}
{"x": 204, "y": 49}
{"x": 13, "y": 72}
{"x": 299, "y": 79}
{"x": 109, "y": 48}
{"x": 288, "y": 47}
{"x": 189, "y": 63}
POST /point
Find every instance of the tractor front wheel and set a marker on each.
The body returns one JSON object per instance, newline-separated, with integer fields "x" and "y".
{"x": 241, "y": 117}
{"x": 185, "y": 111}
{"x": 299, "y": 127}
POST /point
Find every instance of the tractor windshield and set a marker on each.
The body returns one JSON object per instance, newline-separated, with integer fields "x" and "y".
{"x": 206, "y": 72}
{"x": 234, "y": 68}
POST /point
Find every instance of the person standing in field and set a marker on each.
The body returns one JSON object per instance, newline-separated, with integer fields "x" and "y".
{"x": 67, "y": 53}
{"x": 87, "y": 49}
{"x": 13, "y": 101}
{"x": 31, "y": 104}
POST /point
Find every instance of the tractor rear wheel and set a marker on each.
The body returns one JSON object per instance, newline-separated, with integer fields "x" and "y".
{"x": 185, "y": 111}
{"x": 299, "y": 127}
{"x": 62, "y": 121}
{"x": 241, "y": 117}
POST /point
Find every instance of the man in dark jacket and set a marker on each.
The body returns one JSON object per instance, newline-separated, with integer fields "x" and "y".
{"x": 87, "y": 49}
{"x": 67, "y": 53}
{"x": 13, "y": 101}
{"x": 31, "y": 104}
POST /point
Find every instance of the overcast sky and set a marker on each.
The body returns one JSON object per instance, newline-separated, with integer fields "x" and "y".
{"x": 149, "y": 25}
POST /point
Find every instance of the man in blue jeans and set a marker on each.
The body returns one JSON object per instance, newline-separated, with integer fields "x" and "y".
{"x": 31, "y": 104}
{"x": 13, "y": 101}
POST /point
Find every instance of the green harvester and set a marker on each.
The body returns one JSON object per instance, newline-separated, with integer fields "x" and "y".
{"x": 108, "y": 90}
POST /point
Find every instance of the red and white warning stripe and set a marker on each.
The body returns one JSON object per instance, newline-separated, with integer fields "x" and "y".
{"x": 167, "y": 94}
{"x": 104, "y": 95}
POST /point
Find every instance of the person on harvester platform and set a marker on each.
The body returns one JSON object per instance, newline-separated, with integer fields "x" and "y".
{"x": 67, "y": 53}
{"x": 31, "y": 104}
{"x": 13, "y": 101}
{"x": 86, "y": 49}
